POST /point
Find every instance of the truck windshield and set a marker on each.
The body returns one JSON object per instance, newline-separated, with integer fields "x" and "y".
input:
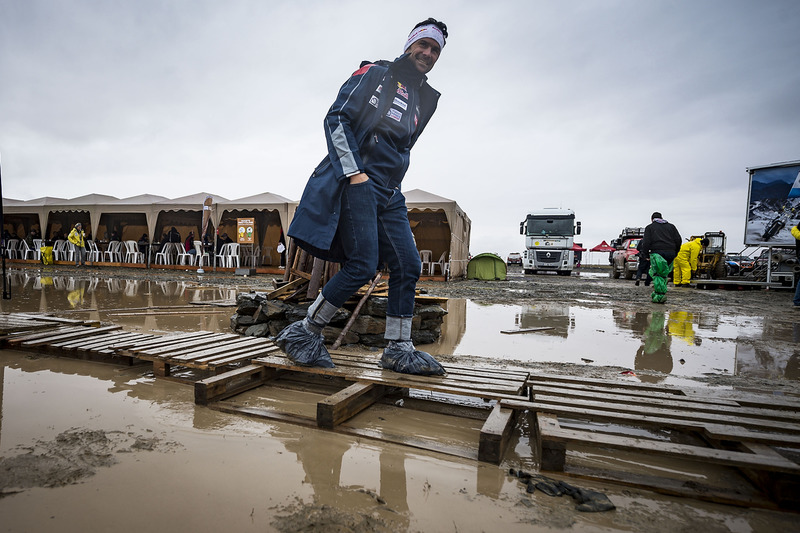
{"x": 549, "y": 226}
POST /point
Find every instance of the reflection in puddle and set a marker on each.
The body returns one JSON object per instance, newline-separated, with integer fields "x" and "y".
{"x": 136, "y": 305}
{"x": 680, "y": 343}
{"x": 672, "y": 342}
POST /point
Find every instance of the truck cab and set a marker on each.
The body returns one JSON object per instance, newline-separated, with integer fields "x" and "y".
{"x": 625, "y": 259}
{"x": 549, "y": 238}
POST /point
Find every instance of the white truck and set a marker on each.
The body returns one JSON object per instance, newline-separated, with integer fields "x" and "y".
{"x": 549, "y": 239}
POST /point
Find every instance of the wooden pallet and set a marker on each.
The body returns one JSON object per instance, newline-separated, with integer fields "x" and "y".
{"x": 365, "y": 383}
{"x": 736, "y": 431}
{"x": 11, "y": 323}
{"x": 76, "y": 339}
{"x": 203, "y": 350}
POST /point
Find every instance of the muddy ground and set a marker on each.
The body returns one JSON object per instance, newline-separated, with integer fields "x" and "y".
{"x": 94, "y": 446}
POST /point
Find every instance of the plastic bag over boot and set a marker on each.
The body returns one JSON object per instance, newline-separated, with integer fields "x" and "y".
{"x": 410, "y": 361}
{"x": 303, "y": 347}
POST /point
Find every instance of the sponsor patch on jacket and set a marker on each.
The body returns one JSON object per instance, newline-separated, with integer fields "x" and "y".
{"x": 394, "y": 114}
{"x": 374, "y": 101}
{"x": 400, "y": 103}
{"x": 378, "y": 90}
{"x": 402, "y": 91}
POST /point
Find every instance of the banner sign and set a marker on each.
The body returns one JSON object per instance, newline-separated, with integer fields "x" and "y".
{"x": 773, "y": 206}
{"x": 244, "y": 230}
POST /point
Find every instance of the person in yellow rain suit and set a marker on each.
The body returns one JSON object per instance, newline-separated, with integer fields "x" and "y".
{"x": 686, "y": 261}
{"x": 78, "y": 238}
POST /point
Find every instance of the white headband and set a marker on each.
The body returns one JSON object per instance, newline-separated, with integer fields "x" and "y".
{"x": 430, "y": 31}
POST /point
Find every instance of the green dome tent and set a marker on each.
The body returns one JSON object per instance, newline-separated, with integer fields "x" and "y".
{"x": 486, "y": 266}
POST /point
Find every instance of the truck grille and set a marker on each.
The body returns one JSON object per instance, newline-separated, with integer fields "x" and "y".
{"x": 551, "y": 256}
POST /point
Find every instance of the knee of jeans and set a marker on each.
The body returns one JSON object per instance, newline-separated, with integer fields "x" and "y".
{"x": 361, "y": 270}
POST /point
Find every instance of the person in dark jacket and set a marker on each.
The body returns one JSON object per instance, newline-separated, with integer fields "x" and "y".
{"x": 662, "y": 238}
{"x": 661, "y": 243}
{"x": 172, "y": 235}
{"x": 352, "y": 210}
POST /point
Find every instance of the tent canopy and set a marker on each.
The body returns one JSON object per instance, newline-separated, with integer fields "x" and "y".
{"x": 486, "y": 266}
{"x": 603, "y": 247}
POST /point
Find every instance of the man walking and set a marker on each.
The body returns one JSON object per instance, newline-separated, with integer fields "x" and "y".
{"x": 352, "y": 210}
{"x": 662, "y": 242}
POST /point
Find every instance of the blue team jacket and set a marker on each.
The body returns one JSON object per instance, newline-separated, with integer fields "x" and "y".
{"x": 377, "y": 117}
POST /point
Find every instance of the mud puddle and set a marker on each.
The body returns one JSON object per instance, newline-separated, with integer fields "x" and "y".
{"x": 675, "y": 343}
{"x": 211, "y": 470}
{"x": 678, "y": 344}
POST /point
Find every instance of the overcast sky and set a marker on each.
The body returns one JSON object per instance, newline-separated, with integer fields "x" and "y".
{"x": 613, "y": 108}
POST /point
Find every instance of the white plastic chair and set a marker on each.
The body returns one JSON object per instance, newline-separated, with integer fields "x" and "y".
{"x": 233, "y": 255}
{"x": 266, "y": 255}
{"x": 443, "y": 265}
{"x": 37, "y": 248}
{"x": 183, "y": 257}
{"x": 132, "y": 253}
{"x": 203, "y": 258}
{"x": 12, "y": 250}
{"x": 164, "y": 256}
{"x": 425, "y": 256}
{"x": 93, "y": 255}
{"x": 114, "y": 252}
{"x": 25, "y": 251}
{"x": 221, "y": 255}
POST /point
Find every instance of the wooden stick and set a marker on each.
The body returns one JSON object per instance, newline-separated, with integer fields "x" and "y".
{"x": 357, "y": 310}
{"x": 526, "y": 330}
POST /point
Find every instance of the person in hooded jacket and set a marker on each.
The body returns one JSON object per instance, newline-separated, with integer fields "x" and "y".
{"x": 686, "y": 261}
{"x": 352, "y": 210}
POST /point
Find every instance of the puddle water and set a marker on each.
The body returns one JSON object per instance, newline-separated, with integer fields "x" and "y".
{"x": 678, "y": 343}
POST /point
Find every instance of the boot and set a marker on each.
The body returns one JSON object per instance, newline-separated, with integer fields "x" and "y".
{"x": 303, "y": 341}
{"x": 401, "y": 356}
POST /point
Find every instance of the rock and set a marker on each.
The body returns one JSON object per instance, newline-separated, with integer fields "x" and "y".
{"x": 258, "y": 330}
{"x": 368, "y": 324}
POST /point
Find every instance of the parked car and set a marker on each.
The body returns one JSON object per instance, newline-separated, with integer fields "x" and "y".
{"x": 514, "y": 258}
{"x": 625, "y": 259}
{"x": 737, "y": 265}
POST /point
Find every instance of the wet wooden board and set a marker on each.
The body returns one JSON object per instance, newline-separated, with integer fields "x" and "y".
{"x": 202, "y": 350}
{"x": 368, "y": 371}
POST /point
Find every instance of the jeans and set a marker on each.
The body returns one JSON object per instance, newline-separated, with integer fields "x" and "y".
{"x": 80, "y": 255}
{"x": 374, "y": 229}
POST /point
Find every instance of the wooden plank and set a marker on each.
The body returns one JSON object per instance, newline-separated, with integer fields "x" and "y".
{"x": 347, "y": 403}
{"x": 237, "y": 343}
{"x": 18, "y": 339}
{"x": 563, "y": 388}
{"x": 83, "y": 344}
{"x": 251, "y": 352}
{"x": 189, "y": 346}
{"x": 719, "y": 431}
{"x": 161, "y": 369}
{"x": 607, "y": 383}
{"x": 286, "y": 288}
{"x": 549, "y": 433}
{"x": 636, "y": 411}
{"x": 232, "y": 383}
{"x": 85, "y": 332}
{"x": 525, "y": 330}
{"x": 106, "y": 346}
{"x": 169, "y": 340}
{"x": 387, "y": 377}
{"x": 552, "y": 453}
{"x": 495, "y": 434}
{"x": 679, "y": 403}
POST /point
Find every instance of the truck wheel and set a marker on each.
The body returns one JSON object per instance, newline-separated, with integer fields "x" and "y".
{"x": 628, "y": 274}
{"x": 529, "y": 271}
{"x": 564, "y": 272}
{"x": 614, "y": 273}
